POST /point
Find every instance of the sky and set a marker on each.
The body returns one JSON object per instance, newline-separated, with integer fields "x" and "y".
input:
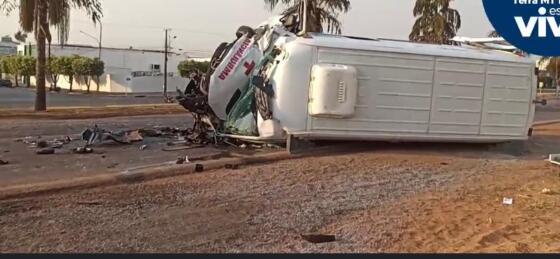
{"x": 201, "y": 25}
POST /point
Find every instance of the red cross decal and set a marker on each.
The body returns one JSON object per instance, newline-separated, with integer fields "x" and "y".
{"x": 249, "y": 67}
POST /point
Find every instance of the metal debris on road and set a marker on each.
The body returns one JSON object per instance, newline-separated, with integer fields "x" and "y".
{"x": 42, "y": 144}
{"x": 554, "y": 159}
{"x": 82, "y": 150}
{"x": 143, "y": 147}
{"x": 183, "y": 160}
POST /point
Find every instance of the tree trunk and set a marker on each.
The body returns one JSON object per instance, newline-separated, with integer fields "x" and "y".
{"x": 16, "y": 79}
{"x": 41, "y": 97}
{"x": 88, "y": 83}
{"x": 71, "y": 78}
{"x": 97, "y": 82}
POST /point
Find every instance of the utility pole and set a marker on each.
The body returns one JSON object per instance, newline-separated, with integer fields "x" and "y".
{"x": 96, "y": 39}
{"x": 165, "y": 64}
{"x": 100, "y": 37}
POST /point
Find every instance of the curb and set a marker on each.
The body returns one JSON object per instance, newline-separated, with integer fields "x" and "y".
{"x": 543, "y": 123}
{"x": 135, "y": 176}
{"x": 93, "y": 112}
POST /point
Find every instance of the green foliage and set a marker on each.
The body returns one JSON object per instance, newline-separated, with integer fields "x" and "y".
{"x": 319, "y": 12}
{"x": 27, "y": 65}
{"x": 4, "y": 65}
{"x": 66, "y": 65}
{"x": 436, "y": 22}
{"x": 18, "y": 66}
{"x": 55, "y": 68}
{"x": 54, "y": 65}
{"x": 97, "y": 67}
{"x": 189, "y": 66}
{"x": 88, "y": 69}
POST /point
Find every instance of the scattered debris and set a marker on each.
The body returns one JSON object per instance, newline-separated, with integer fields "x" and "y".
{"x": 42, "y": 144}
{"x": 150, "y": 133}
{"x": 114, "y": 165}
{"x": 143, "y": 147}
{"x": 92, "y": 135}
{"x": 82, "y": 150}
{"x": 3, "y": 162}
{"x": 318, "y": 239}
{"x": 45, "y": 151}
{"x": 554, "y": 158}
{"x": 183, "y": 160}
{"x": 547, "y": 191}
{"x": 508, "y": 201}
{"x": 199, "y": 168}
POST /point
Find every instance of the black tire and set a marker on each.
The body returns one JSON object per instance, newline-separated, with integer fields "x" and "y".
{"x": 216, "y": 60}
{"x": 245, "y": 30}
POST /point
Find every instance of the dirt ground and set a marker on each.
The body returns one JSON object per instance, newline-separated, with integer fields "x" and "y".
{"x": 377, "y": 198}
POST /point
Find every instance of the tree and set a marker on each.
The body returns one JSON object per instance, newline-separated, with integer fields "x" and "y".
{"x": 189, "y": 66}
{"x": 97, "y": 70}
{"x": 37, "y": 16}
{"x": 2, "y": 67}
{"x": 67, "y": 68}
{"x": 11, "y": 66}
{"x": 319, "y": 13}
{"x": 82, "y": 66}
{"x": 27, "y": 66}
{"x": 436, "y": 22}
{"x": 55, "y": 69}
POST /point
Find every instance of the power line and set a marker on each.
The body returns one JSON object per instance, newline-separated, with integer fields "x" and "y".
{"x": 151, "y": 27}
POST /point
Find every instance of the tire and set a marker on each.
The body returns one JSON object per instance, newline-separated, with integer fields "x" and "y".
{"x": 216, "y": 60}
{"x": 245, "y": 30}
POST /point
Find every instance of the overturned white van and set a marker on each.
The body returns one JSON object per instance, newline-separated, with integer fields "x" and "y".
{"x": 345, "y": 88}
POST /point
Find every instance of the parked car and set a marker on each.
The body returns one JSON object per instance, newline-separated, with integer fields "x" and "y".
{"x": 5, "y": 83}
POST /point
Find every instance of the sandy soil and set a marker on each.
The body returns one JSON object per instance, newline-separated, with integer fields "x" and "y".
{"x": 396, "y": 198}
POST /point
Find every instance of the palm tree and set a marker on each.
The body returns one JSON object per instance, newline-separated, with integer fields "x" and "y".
{"x": 319, "y": 13}
{"x": 436, "y": 22}
{"x": 37, "y": 16}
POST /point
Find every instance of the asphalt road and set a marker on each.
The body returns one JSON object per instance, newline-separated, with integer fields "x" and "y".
{"x": 25, "y": 98}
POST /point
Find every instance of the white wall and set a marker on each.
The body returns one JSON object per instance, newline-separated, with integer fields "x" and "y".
{"x": 119, "y": 65}
{"x": 117, "y": 59}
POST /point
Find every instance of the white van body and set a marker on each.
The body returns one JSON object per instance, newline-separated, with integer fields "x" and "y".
{"x": 340, "y": 88}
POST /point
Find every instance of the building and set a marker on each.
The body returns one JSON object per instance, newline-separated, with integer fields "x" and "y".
{"x": 7, "y": 46}
{"x": 127, "y": 70}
